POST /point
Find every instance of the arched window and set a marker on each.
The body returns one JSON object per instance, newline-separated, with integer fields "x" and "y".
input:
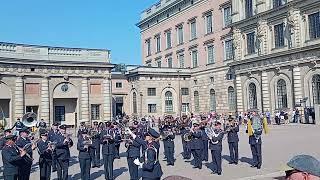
{"x": 282, "y": 94}
{"x": 231, "y": 99}
{"x": 196, "y": 101}
{"x": 316, "y": 89}
{"x": 134, "y": 102}
{"x": 252, "y": 96}
{"x": 168, "y": 102}
{"x": 212, "y": 100}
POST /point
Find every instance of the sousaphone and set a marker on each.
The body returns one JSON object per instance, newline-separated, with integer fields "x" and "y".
{"x": 30, "y": 119}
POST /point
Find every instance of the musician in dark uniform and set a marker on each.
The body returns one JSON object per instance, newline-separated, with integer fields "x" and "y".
{"x": 205, "y": 140}
{"x": 45, "y": 152}
{"x": 64, "y": 142}
{"x": 233, "y": 140}
{"x": 215, "y": 146}
{"x": 255, "y": 140}
{"x": 95, "y": 152}
{"x": 12, "y": 158}
{"x": 7, "y": 132}
{"x": 81, "y": 128}
{"x": 196, "y": 145}
{"x": 84, "y": 147}
{"x": 52, "y": 136}
{"x": 24, "y": 142}
{"x": 133, "y": 152}
{"x": 151, "y": 168}
{"x": 117, "y": 133}
{"x": 185, "y": 145}
{"x": 42, "y": 125}
{"x": 168, "y": 143}
{"x": 18, "y": 125}
{"x": 108, "y": 150}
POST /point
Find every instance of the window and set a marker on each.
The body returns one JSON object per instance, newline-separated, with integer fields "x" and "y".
{"x": 158, "y": 43}
{"x": 277, "y": 3}
{"x": 210, "y": 55}
{"x": 252, "y": 96}
{"x": 194, "y": 55}
{"x": 118, "y": 84}
{"x": 170, "y": 62}
{"x": 209, "y": 28}
{"x": 168, "y": 35}
{"x": 282, "y": 94}
{"x": 226, "y": 16}
{"x": 278, "y": 36}
{"x": 159, "y": 63}
{"x": 185, "y": 107}
{"x": 32, "y": 88}
{"x": 168, "y": 102}
{"x": 212, "y": 100}
{"x": 152, "y": 108}
{"x": 134, "y": 102}
{"x": 59, "y": 113}
{"x": 95, "y": 111}
{"x": 152, "y": 92}
{"x": 212, "y": 79}
{"x": 148, "y": 47}
{"x": 251, "y": 43}
{"x": 316, "y": 89}
{"x": 231, "y": 99}
{"x": 181, "y": 60}
{"x": 314, "y": 25}
{"x": 228, "y": 48}
{"x": 184, "y": 91}
{"x": 95, "y": 89}
{"x": 180, "y": 34}
{"x": 193, "y": 27}
{"x": 149, "y": 64}
{"x": 248, "y": 8}
{"x": 196, "y": 101}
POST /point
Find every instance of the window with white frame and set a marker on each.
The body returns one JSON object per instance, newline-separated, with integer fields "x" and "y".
{"x": 152, "y": 108}
{"x": 209, "y": 25}
{"x": 169, "y": 62}
{"x": 194, "y": 56}
{"x": 95, "y": 111}
{"x": 134, "y": 102}
{"x": 148, "y": 47}
{"x": 314, "y": 25}
{"x": 231, "y": 99}
{"x": 282, "y": 94}
{"x": 168, "y": 102}
{"x": 212, "y": 100}
{"x": 210, "y": 55}
{"x": 196, "y": 101}
{"x": 251, "y": 43}
{"x": 168, "y": 35}
{"x": 158, "y": 41}
{"x": 279, "y": 35}
{"x": 226, "y": 16}
{"x": 181, "y": 60}
{"x": 151, "y": 91}
{"x": 159, "y": 63}
{"x": 184, "y": 91}
{"x": 253, "y": 103}
{"x": 185, "y": 107}
{"x": 193, "y": 27}
{"x": 118, "y": 84}
{"x": 277, "y": 3}
{"x": 180, "y": 34}
{"x": 228, "y": 49}
{"x": 249, "y": 8}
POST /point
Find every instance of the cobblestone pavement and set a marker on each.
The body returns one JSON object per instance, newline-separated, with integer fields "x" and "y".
{"x": 282, "y": 143}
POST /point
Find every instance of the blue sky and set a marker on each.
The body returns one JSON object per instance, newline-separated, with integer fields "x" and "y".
{"x": 76, "y": 23}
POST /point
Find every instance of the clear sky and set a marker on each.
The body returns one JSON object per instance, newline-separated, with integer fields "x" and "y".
{"x": 106, "y": 24}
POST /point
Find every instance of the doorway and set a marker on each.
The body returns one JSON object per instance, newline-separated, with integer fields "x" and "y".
{"x": 65, "y": 111}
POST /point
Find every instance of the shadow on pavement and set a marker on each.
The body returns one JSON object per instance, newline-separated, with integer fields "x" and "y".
{"x": 118, "y": 172}
{"x": 280, "y": 178}
{"x": 226, "y": 157}
{"x": 96, "y": 175}
{"x": 73, "y": 160}
{"x": 210, "y": 166}
{"x": 246, "y": 160}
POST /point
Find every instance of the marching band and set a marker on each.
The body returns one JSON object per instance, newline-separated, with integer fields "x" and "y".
{"x": 199, "y": 135}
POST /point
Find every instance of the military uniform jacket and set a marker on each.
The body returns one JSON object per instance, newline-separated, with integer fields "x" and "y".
{"x": 19, "y": 125}
{"x": 253, "y": 140}
{"x": 233, "y": 135}
{"x": 218, "y": 139}
{"x": 96, "y": 138}
{"x": 80, "y": 131}
{"x": 43, "y": 150}
{"x": 21, "y": 142}
{"x": 169, "y": 141}
{"x": 108, "y": 146}
{"x": 84, "y": 152}
{"x": 11, "y": 160}
{"x": 42, "y": 124}
{"x": 52, "y": 135}
{"x": 151, "y": 167}
{"x": 196, "y": 142}
{"x": 134, "y": 149}
{"x": 204, "y": 135}
{"x": 2, "y": 143}
{"x": 62, "y": 149}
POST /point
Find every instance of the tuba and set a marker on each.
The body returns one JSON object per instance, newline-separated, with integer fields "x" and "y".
{"x": 187, "y": 137}
{"x": 30, "y": 119}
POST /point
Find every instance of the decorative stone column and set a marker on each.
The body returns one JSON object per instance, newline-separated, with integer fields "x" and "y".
{"x": 237, "y": 40}
{"x": 293, "y": 21}
{"x": 239, "y": 94}
{"x": 297, "y": 88}
{"x": 19, "y": 98}
{"x": 265, "y": 92}
{"x": 45, "y": 101}
{"x": 84, "y": 105}
{"x": 107, "y": 99}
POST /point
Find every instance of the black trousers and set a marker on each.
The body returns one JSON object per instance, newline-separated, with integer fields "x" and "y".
{"x": 256, "y": 154}
{"x": 197, "y": 157}
{"x": 233, "y": 149}
{"x": 170, "y": 155}
{"x": 96, "y": 159}
{"x": 117, "y": 151}
{"x": 11, "y": 177}
{"x": 45, "y": 169}
{"x": 62, "y": 169}
{"x": 133, "y": 169}
{"x": 108, "y": 166}
{"x": 205, "y": 150}
{"x": 54, "y": 161}
{"x": 24, "y": 171}
{"x": 186, "y": 150}
{"x": 85, "y": 165}
{"x": 216, "y": 160}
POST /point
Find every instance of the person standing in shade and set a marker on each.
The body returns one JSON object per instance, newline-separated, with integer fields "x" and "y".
{"x": 84, "y": 147}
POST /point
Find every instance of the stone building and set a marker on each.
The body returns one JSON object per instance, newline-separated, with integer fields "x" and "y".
{"x": 67, "y": 85}
{"x": 276, "y": 53}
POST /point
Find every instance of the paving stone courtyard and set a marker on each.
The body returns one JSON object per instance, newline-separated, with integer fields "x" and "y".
{"x": 282, "y": 143}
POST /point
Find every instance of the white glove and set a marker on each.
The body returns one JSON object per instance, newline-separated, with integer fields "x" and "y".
{"x": 137, "y": 162}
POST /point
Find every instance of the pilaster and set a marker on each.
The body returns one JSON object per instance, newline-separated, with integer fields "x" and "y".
{"x": 84, "y": 105}
{"x": 19, "y": 98}
{"x": 265, "y": 92}
{"x": 297, "y": 87}
{"x": 45, "y": 101}
{"x": 239, "y": 94}
{"x": 107, "y": 99}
